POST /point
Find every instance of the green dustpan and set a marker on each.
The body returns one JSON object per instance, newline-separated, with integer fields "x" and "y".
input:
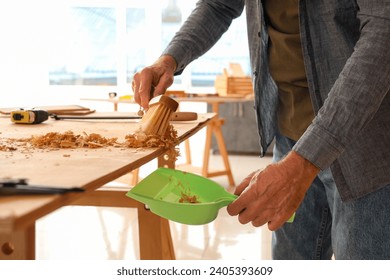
{"x": 169, "y": 193}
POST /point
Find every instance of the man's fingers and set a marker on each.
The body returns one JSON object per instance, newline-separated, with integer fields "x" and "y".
{"x": 262, "y": 217}
{"x": 134, "y": 86}
{"x": 165, "y": 81}
{"x": 236, "y": 207}
{"x": 244, "y": 184}
{"x": 144, "y": 95}
{"x": 259, "y": 221}
{"x": 145, "y": 87}
{"x": 256, "y": 214}
{"x": 148, "y": 85}
{"x": 280, "y": 218}
{"x": 240, "y": 204}
{"x": 153, "y": 80}
{"x": 275, "y": 224}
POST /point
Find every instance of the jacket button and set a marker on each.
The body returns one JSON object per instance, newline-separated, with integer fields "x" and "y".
{"x": 259, "y": 34}
{"x": 254, "y": 73}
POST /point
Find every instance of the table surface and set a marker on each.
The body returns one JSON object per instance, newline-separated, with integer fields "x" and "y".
{"x": 81, "y": 167}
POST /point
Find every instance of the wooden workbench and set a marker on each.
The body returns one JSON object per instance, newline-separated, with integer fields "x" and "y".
{"x": 89, "y": 169}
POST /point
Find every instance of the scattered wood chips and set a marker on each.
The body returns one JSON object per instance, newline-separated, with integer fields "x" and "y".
{"x": 185, "y": 198}
{"x": 70, "y": 140}
{"x": 7, "y": 148}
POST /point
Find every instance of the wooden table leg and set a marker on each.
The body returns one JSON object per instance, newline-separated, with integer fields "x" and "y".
{"x": 135, "y": 177}
{"x": 18, "y": 245}
{"x": 154, "y": 236}
{"x": 207, "y": 148}
{"x": 188, "y": 151}
{"x": 224, "y": 154}
{"x": 214, "y": 128}
{"x": 154, "y": 232}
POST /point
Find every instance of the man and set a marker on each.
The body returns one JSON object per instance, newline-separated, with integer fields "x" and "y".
{"x": 321, "y": 76}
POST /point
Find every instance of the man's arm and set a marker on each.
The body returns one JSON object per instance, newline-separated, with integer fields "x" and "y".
{"x": 206, "y": 24}
{"x": 357, "y": 93}
{"x": 203, "y": 28}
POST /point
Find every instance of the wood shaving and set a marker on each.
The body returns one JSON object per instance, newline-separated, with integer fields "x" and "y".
{"x": 6, "y": 148}
{"x": 140, "y": 140}
{"x": 185, "y": 198}
{"x": 185, "y": 192}
{"x": 70, "y": 140}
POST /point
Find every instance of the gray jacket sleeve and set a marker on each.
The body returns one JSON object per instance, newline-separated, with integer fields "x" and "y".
{"x": 358, "y": 93}
{"x": 203, "y": 28}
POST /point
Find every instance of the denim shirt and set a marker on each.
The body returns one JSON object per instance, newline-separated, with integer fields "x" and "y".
{"x": 345, "y": 45}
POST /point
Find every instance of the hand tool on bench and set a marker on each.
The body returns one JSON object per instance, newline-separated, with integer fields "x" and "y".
{"x": 176, "y": 116}
{"x": 20, "y": 186}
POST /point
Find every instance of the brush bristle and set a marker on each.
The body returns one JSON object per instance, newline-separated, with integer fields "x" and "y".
{"x": 156, "y": 119}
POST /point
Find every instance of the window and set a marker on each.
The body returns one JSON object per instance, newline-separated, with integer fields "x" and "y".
{"x": 136, "y": 29}
{"x": 105, "y": 45}
{"x": 82, "y": 48}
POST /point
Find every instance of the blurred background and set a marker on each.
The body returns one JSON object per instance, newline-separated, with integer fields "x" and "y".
{"x": 59, "y": 51}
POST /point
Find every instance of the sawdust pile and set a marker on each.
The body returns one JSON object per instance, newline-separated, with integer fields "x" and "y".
{"x": 140, "y": 139}
{"x": 70, "y": 140}
{"x": 7, "y": 148}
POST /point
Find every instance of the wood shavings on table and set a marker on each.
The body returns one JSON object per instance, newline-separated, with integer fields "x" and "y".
{"x": 70, "y": 140}
{"x": 140, "y": 140}
{"x": 6, "y": 148}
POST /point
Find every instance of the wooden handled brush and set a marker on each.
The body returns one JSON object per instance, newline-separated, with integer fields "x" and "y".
{"x": 156, "y": 119}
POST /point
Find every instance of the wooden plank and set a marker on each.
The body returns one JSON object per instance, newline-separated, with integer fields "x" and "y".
{"x": 55, "y": 109}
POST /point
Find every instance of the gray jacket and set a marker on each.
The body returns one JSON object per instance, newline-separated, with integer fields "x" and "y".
{"x": 346, "y": 47}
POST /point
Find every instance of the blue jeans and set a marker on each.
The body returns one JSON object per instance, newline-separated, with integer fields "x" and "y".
{"x": 325, "y": 226}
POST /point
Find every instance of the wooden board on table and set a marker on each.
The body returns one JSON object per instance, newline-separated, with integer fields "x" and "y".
{"x": 54, "y": 109}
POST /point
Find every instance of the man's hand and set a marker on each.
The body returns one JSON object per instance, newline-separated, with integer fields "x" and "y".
{"x": 273, "y": 194}
{"x": 155, "y": 79}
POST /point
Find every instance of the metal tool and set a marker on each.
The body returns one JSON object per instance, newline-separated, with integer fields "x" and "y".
{"x": 29, "y": 116}
{"x": 57, "y": 117}
{"x": 20, "y": 186}
{"x": 175, "y": 116}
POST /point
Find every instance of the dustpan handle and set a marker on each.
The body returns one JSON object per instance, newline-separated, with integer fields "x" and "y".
{"x": 224, "y": 201}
